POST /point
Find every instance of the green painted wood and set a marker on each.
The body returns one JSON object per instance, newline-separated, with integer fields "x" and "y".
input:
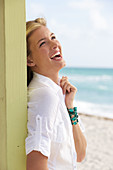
{"x": 3, "y": 127}
{"x": 13, "y": 99}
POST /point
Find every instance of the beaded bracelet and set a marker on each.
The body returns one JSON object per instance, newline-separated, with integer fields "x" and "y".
{"x": 73, "y": 115}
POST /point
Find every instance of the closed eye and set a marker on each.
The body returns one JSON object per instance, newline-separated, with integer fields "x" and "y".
{"x": 42, "y": 43}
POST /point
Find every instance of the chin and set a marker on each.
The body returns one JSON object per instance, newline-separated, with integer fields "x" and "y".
{"x": 62, "y": 65}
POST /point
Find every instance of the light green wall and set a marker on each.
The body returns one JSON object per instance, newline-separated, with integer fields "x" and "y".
{"x": 13, "y": 85}
{"x": 3, "y": 123}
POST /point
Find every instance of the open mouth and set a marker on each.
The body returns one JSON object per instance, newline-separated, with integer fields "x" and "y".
{"x": 56, "y": 56}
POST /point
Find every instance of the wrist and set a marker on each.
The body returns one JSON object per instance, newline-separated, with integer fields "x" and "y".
{"x": 70, "y": 106}
{"x": 73, "y": 115}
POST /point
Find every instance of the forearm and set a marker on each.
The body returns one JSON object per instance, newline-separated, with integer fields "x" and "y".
{"x": 79, "y": 140}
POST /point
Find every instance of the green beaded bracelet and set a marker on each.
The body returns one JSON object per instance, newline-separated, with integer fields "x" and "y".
{"x": 73, "y": 115}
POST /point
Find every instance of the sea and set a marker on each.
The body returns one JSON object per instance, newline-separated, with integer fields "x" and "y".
{"x": 94, "y": 89}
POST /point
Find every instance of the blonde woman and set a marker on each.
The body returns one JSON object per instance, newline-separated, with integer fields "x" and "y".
{"x": 55, "y": 140}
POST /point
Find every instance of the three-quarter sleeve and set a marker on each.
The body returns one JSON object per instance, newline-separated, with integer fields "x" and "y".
{"x": 42, "y": 111}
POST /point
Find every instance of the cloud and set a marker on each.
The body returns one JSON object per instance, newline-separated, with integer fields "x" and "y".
{"x": 84, "y": 4}
{"x": 34, "y": 9}
{"x": 94, "y": 9}
{"x": 98, "y": 20}
{"x": 64, "y": 30}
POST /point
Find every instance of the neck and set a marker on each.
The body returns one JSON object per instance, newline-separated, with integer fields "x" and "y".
{"x": 52, "y": 76}
{"x": 55, "y": 78}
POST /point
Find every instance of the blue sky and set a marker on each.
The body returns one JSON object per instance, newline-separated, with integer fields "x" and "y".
{"x": 83, "y": 27}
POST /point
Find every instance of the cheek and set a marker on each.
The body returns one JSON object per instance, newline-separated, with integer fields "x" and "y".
{"x": 44, "y": 54}
{"x": 42, "y": 57}
{"x": 44, "y": 51}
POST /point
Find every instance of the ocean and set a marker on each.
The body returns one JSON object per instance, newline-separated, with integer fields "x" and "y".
{"x": 94, "y": 89}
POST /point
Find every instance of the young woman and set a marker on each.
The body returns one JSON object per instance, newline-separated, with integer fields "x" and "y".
{"x": 55, "y": 140}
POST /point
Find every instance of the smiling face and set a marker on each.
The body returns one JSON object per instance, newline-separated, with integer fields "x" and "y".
{"x": 45, "y": 52}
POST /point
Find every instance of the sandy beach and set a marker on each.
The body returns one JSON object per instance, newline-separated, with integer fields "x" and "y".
{"x": 99, "y": 135}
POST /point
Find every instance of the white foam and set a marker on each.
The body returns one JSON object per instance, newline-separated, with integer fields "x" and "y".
{"x": 102, "y": 87}
{"x": 82, "y": 78}
{"x": 94, "y": 109}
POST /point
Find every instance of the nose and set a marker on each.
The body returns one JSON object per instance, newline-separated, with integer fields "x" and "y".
{"x": 54, "y": 44}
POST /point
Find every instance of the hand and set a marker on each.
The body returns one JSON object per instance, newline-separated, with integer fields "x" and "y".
{"x": 69, "y": 90}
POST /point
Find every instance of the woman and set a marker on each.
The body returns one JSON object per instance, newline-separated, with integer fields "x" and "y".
{"x": 55, "y": 140}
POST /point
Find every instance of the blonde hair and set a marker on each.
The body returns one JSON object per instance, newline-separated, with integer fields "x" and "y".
{"x": 31, "y": 26}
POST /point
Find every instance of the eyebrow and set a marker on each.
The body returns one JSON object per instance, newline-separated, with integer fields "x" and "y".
{"x": 44, "y": 38}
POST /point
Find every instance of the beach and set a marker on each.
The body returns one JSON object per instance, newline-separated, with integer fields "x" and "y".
{"x": 99, "y": 135}
{"x": 94, "y": 99}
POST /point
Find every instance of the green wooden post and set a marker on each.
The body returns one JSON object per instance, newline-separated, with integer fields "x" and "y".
{"x": 13, "y": 85}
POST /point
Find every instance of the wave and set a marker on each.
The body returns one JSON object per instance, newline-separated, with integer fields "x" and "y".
{"x": 91, "y": 78}
{"x": 101, "y": 87}
{"x": 94, "y": 109}
{"x": 97, "y": 78}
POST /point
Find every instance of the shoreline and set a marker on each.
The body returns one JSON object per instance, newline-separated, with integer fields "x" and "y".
{"x": 96, "y": 116}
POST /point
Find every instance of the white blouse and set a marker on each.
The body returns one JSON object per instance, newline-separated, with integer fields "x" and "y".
{"x": 49, "y": 125}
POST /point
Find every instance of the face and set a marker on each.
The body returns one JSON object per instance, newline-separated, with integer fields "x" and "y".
{"x": 46, "y": 55}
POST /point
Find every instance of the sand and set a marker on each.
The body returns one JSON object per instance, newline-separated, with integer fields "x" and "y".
{"x": 99, "y": 135}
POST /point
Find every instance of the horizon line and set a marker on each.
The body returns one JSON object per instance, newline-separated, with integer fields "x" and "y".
{"x": 88, "y": 67}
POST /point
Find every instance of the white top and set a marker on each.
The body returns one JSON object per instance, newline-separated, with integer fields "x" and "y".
{"x": 49, "y": 125}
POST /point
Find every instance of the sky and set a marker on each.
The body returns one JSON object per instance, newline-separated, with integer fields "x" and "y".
{"x": 83, "y": 27}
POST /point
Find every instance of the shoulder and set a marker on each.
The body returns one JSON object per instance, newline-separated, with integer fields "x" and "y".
{"x": 43, "y": 101}
{"x": 42, "y": 93}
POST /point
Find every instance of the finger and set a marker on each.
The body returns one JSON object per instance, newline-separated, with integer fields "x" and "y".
{"x": 63, "y": 82}
{"x": 73, "y": 88}
{"x": 64, "y": 78}
{"x": 70, "y": 88}
{"x": 66, "y": 87}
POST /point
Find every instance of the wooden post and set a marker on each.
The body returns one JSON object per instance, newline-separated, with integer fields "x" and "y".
{"x": 13, "y": 85}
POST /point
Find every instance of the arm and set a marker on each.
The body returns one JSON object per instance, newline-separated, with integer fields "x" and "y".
{"x": 40, "y": 125}
{"x": 36, "y": 161}
{"x": 79, "y": 139}
{"x": 80, "y": 143}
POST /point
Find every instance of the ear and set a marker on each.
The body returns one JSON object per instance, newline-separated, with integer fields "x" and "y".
{"x": 30, "y": 62}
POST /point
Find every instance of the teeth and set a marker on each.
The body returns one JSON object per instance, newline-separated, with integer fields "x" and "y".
{"x": 58, "y": 53}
